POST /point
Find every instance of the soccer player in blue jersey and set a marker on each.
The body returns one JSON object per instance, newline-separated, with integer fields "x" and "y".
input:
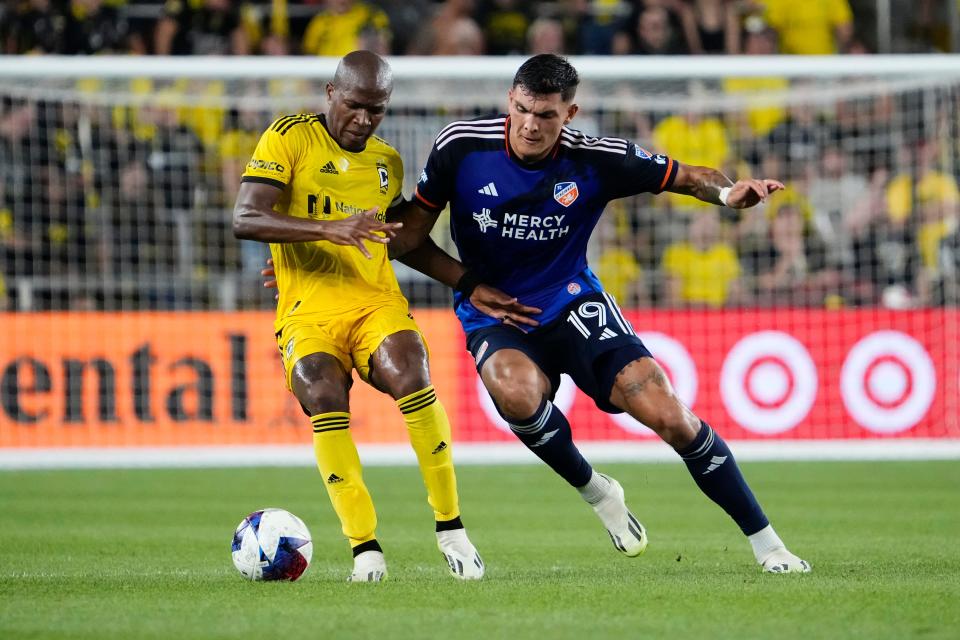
{"x": 525, "y": 192}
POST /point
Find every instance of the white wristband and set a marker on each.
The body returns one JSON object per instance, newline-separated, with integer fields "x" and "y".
{"x": 724, "y": 194}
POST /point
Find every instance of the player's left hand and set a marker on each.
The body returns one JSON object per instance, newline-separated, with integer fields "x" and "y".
{"x": 748, "y": 192}
{"x": 506, "y": 309}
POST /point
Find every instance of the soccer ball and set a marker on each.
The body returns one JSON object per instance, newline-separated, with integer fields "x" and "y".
{"x": 271, "y": 544}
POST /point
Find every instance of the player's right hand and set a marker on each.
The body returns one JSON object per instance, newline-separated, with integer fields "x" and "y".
{"x": 506, "y": 309}
{"x": 270, "y": 276}
{"x": 355, "y": 229}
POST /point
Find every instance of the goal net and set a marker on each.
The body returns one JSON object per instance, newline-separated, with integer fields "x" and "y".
{"x": 133, "y": 317}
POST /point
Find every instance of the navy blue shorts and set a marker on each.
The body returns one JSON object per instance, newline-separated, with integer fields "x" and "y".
{"x": 590, "y": 341}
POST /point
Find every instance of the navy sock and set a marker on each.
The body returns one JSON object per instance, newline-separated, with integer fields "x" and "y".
{"x": 713, "y": 468}
{"x": 547, "y": 434}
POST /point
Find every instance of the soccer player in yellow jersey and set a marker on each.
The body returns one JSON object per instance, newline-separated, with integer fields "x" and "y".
{"x": 318, "y": 189}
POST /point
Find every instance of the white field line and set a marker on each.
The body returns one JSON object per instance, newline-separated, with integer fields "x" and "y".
{"x": 469, "y": 453}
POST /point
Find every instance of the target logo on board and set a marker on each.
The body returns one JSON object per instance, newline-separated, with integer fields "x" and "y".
{"x": 675, "y": 360}
{"x": 768, "y": 382}
{"x": 563, "y": 401}
{"x": 888, "y": 382}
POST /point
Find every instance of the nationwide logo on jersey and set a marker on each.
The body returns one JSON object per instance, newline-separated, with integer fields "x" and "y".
{"x": 641, "y": 152}
{"x": 384, "y": 176}
{"x": 566, "y": 193}
{"x": 350, "y": 209}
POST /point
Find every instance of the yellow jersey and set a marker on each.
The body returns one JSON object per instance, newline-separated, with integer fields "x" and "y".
{"x": 761, "y": 117}
{"x": 337, "y": 34}
{"x": 322, "y": 181}
{"x": 807, "y": 27}
{"x": 619, "y": 271}
{"x": 701, "y": 142}
{"x": 705, "y": 276}
{"x": 933, "y": 186}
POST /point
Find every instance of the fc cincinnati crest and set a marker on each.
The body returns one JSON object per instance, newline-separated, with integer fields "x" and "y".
{"x": 566, "y": 193}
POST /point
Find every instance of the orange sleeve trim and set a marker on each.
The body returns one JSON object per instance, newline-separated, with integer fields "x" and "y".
{"x": 666, "y": 176}
{"x": 416, "y": 193}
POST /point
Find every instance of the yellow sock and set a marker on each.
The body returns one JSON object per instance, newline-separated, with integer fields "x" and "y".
{"x": 339, "y": 466}
{"x": 429, "y": 431}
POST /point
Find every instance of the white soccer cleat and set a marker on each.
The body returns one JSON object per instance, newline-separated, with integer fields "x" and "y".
{"x": 782, "y": 561}
{"x": 369, "y": 566}
{"x": 462, "y": 557}
{"x": 627, "y": 534}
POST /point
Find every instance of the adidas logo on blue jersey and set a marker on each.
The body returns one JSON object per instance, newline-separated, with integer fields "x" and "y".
{"x": 489, "y": 190}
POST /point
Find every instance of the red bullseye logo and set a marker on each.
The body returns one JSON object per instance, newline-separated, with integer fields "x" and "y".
{"x": 888, "y": 382}
{"x": 768, "y": 382}
{"x": 676, "y": 362}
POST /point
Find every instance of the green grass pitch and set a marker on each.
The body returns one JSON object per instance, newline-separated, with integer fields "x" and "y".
{"x": 145, "y": 554}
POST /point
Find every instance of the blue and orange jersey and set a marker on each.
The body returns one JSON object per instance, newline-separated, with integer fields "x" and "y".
{"x": 523, "y": 228}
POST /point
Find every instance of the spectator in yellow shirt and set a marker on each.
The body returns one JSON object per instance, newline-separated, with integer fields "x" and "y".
{"x": 761, "y": 116}
{"x": 235, "y": 147}
{"x": 616, "y": 261}
{"x": 810, "y": 27}
{"x": 699, "y": 140}
{"x": 704, "y": 270}
{"x": 931, "y": 186}
{"x": 344, "y": 26}
{"x": 933, "y": 199}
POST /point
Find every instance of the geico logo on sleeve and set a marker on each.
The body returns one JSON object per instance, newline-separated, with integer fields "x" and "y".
{"x": 265, "y": 165}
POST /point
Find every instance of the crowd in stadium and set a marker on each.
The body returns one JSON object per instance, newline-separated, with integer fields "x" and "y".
{"x": 459, "y": 27}
{"x": 868, "y": 218}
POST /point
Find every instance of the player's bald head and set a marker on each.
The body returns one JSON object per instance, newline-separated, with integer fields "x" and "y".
{"x": 363, "y": 70}
{"x": 357, "y": 98}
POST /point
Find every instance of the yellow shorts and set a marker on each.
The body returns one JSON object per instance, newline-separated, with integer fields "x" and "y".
{"x": 351, "y": 338}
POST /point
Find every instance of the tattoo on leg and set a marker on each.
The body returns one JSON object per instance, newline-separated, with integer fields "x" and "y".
{"x": 637, "y": 387}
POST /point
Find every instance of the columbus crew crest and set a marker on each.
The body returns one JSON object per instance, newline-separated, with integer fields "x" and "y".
{"x": 384, "y": 176}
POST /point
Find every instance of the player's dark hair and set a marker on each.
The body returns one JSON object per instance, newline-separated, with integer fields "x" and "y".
{"x": 548, "y": 73}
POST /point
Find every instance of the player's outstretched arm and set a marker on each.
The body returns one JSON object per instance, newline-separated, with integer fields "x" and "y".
{"x": 487, "y": 299}
{"x": 254, "y": 218}
{"x": 710, "y": 185}
{"x": 431, "y": 260}
{"x": 417, "y": 225}
{"x": 414, "y": 247}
